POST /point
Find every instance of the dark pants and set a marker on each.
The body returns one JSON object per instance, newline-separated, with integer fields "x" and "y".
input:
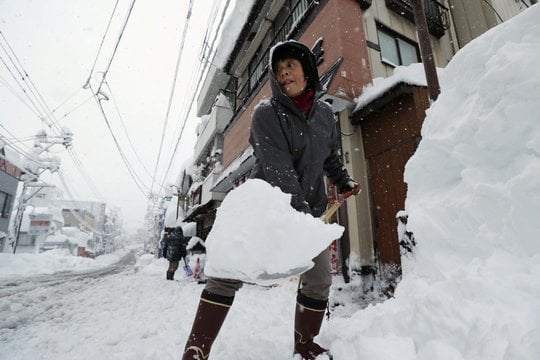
{"x": 315, "y": 283}
{"x": 173, "y": 266}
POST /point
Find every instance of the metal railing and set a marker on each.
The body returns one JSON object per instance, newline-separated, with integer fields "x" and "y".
{"x": 436, "y": 14}
{"x": 287, "y": 31}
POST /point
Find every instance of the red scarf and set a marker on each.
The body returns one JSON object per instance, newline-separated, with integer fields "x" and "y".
{"x": 304, "y": 101}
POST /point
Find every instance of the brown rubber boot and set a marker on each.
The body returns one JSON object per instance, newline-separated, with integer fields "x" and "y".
{"x": 307, "y": 323}
{"x": 210, "y": 316}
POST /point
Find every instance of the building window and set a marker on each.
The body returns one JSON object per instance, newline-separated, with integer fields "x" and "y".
{"x": 395, "y": 49}
{"x": 5, "y": 204}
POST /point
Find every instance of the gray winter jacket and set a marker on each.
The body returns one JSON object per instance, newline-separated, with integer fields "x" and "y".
{"x": 294, "y": 151}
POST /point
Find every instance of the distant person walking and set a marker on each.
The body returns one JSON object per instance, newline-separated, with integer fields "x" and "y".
{"x": 176, "y": 250}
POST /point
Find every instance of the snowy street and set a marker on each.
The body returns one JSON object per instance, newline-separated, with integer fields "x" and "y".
{"x": 129, "y": 311}
{"x": 470, "y": 289}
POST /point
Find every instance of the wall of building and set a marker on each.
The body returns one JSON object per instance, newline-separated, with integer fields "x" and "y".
{"x": 508, "y": 9}
{"x": 236, "y": 136}
{"x": 340, "y": 25}
{"x": 8, "y": 184}
{"x": 358, "y": 209}
{"x": 443, "y": 50}
{"x": 472, "y": 18}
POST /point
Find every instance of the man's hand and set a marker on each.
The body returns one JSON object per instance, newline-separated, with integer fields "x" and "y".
{"x": 350, "y": 188}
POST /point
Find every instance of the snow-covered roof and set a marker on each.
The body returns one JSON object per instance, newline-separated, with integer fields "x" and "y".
{"x": 238, "y": 165}
{"x": 236, "y": 19}
{"x": 413, "y": 74}
{"x": 11, "y": 155}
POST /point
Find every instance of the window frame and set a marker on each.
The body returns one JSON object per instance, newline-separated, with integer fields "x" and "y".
{"x": 397, "y": 37}
{"x": 5, "y": 206}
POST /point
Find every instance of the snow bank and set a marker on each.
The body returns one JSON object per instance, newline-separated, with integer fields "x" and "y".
{"x": 472, "y": 289}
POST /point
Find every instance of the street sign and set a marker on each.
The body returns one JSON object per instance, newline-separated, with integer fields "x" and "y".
{"x": 39, "y": 224}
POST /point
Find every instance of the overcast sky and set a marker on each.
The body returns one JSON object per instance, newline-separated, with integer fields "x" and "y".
{"x": 57, "y": 42}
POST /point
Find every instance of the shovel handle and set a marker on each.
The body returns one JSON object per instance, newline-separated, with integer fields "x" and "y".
{"x": 334, "y": 205}
{"x": 331, "y": 210}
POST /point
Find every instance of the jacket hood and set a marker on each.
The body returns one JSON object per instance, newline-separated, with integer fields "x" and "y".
{"x": 296, "y": 50}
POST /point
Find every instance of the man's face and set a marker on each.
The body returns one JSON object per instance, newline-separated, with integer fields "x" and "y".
{"x": 290, "y": 77}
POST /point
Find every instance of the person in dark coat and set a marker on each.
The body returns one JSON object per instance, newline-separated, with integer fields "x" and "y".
{"x": 176, "y": 250}
{"x": 295, "y": 142}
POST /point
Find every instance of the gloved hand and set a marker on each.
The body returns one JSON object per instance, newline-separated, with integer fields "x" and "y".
{"x": 350, "y": 188}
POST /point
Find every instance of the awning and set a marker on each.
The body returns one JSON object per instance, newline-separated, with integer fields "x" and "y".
{"x": 226, "y": 183}
{"x": 381, "y": 101}
{"x": 200, "y": 211}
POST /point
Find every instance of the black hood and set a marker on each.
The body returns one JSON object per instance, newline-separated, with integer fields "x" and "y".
{"x": 296, "y": 50}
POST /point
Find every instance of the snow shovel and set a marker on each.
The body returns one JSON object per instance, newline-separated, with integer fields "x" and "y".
{"x": 187, "y": 269}
{"x": 335, "y": 202}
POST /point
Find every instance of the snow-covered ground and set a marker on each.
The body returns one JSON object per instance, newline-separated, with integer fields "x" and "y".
{"x": 471, "y": 291}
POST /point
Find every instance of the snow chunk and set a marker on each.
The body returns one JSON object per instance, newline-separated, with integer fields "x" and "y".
{"x": 263, "y": 236}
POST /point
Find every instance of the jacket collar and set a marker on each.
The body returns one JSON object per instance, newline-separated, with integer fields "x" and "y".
{"x": 286, "y": 101}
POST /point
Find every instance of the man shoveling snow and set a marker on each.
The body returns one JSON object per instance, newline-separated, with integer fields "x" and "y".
{"x": 295, "y": 141}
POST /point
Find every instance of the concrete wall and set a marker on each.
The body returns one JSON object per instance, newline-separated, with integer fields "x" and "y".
{"x": 8, "y": 184}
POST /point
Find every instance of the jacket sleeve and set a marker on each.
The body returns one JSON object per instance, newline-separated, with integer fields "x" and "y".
{"x": 333, "y": 166}
{"x": 271, "y": 149}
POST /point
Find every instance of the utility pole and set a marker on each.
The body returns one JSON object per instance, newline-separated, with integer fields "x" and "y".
{"x": 426, "y": 51}
{"x": 35, "y": 168}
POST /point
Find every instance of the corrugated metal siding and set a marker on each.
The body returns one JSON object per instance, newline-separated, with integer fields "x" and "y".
{"x": 508, "y": 8}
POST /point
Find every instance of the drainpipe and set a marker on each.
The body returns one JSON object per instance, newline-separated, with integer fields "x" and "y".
{"x": 426, "y": 52}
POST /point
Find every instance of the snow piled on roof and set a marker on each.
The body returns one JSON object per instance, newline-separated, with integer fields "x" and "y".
{"x": 11, "y": 155}
{"x": 413, "y": 74}
{"x": 236, "y": 17}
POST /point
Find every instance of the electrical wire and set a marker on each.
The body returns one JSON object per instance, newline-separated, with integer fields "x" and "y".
{"x": 67, "y": 99}
{"x": 171, "y": 95}
{"x": 101, "y": 44}
{"x": 116, "y": 46}
{"x": 494, "y": 10}
{"x": 77, "y": 107}
{"x": 126, "y": 131}
{"x": 53, "y": 124}
{"x": 10, "y": 89}
{"x": 35, "y": 109}
{"x": 138, "y": 182}
{"x": 77, "y": 216}
{"x": 31, "y": 86}
{"x": 191, "y": 101}
{"x": 18, "y": 149}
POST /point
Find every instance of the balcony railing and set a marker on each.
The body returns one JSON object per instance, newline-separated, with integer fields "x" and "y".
{"x": 436, "y": 14}
{"x": 287, "y": 31}
{"x": 218, "y": 120}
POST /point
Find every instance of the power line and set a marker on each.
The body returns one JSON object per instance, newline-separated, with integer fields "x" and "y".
{"x": 116, "y": 46}
{"x": 178, "y": 60}
{"x": 194, "y": 93}
{"x": 73, "y": 201}
{"x": 101, "y": 44}
{"x": 49, "y": 114}
{"x": 35, "y": 109}
{"x": 138, "y": 182}
{"x": 6, "y": 84}
{"x": 77, "y": 107}
{"x": 67, "y": 99}
{"x": 32, "y": 87}
{"x": 18, "y": 150}
{"x": 126, "y": 131}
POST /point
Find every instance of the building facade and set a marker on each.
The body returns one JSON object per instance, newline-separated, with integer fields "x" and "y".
{"x": 355, "y": 42}
{"x": 10, "y": 175}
